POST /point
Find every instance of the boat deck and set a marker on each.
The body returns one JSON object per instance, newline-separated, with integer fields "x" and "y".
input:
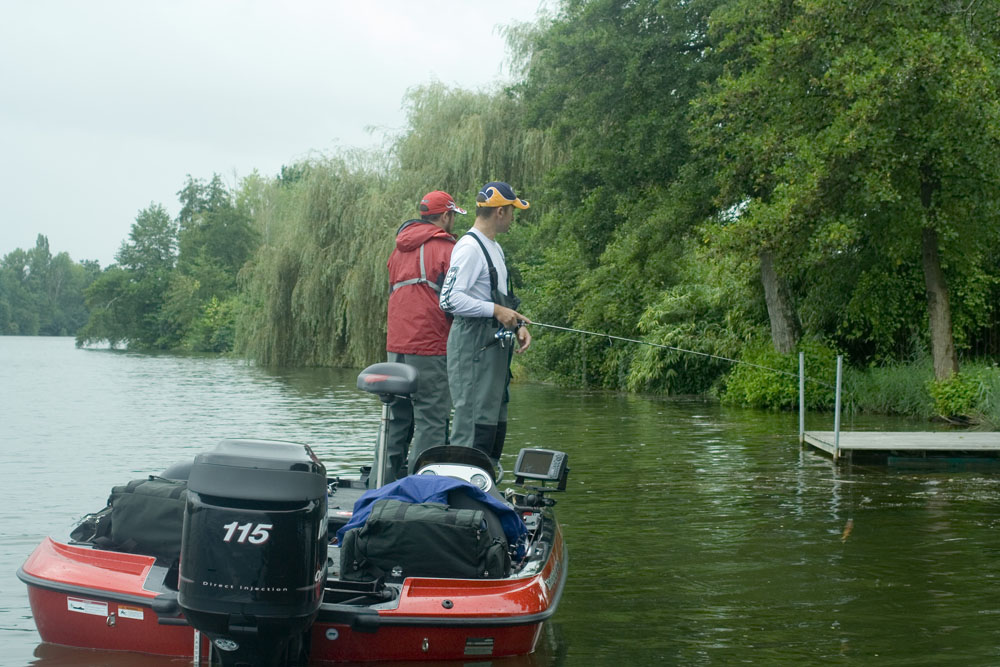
{"x": 980, "y": 444}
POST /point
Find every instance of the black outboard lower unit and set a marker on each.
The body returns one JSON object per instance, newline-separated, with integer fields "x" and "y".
{"x": 253, "y": 550}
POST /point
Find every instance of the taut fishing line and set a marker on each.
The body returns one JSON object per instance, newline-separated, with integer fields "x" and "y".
{"x": 676, "y": 349}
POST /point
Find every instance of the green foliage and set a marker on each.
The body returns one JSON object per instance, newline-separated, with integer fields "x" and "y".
{"x": 612, "y": 83}
{"x": 151, "y": 249}
{"x": 667, "y": 147}
{"x": 126, "y": 300}
{"x": 893, "y": 388}
{"x": 955, "y": 396}
{"x": 988, "y": 409}
{"x": 215, "y": 329}
{"x": 175, "y": 282}
{"x": 317, "y": 288}
{"x": 689, "y": 319}
{"x": 122, "y": 310}
{"x": 216, "y": 236}
{"x": 841, "y": 131}
{"x": 696, "y": 317}
{"x": 41, "y": 294}
{"x": 553, "y": 287}
{"x": 971, "y": 395}
{"x": 768, "y": 379}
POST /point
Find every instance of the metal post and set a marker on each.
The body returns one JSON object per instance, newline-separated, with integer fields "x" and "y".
{"x": 196, "y": 657}
{"x": 381, "y": 458}
{"x": 836, "y": 413}
{"x": 583, "y": 353}
{"x": 802, "y": 397}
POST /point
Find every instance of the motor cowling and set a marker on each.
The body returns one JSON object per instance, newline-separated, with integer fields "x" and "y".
{"x": 253, "y": 549}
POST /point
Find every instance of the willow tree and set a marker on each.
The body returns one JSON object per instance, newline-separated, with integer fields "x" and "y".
{"x": 861, "y": 139}
{"x": 316, "y": 290}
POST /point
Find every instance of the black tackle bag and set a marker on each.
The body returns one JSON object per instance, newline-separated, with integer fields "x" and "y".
{"x": 423, "y": 540}
{"x": 147, "y": 516}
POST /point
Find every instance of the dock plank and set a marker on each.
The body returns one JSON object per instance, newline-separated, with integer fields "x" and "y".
{"x": 905, "y": 441}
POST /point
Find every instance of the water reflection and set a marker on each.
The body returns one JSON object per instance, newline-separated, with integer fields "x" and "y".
{"x": 549, "y": 653}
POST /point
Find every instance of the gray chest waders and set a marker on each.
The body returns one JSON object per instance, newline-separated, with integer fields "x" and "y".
{"x": 479, "y": 374}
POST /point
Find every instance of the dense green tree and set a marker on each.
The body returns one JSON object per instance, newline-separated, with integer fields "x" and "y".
{"x": 174, "y": 286}
{"x": 214, "y": 233}
{"x": 41, "y": 294}
{"x": 612, "y": 82}
{"x": 857, "y": 158}
{"x": 18, "y": 305}
{"x": 705, "y": 175}
{"x": 215, "y": 239}
{"x": 151, "y": 248}
{"x": 126, "y": 301}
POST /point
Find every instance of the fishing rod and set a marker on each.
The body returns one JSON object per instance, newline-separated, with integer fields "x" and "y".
{"x": 660, "y": 345}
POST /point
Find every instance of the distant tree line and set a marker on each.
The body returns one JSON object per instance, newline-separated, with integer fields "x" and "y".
{"x": 744, "y": 179}
{"x": 42, "y": 295}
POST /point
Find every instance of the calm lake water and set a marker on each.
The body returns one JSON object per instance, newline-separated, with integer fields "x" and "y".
{"x": 698, "y": 534}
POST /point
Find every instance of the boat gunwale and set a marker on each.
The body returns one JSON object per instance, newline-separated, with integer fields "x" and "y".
{"x": 355, "y": 614}
{"x": 76, "y": 589}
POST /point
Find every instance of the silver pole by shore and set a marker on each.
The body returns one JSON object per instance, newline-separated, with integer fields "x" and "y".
{"x": 836, "y": 410}
{"x": 802, "y": 397}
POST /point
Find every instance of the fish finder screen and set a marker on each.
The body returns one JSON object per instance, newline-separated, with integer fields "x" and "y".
{"x": 536, "y": 462}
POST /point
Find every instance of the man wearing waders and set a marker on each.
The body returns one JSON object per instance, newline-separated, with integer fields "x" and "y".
{"x": 477, "y": 292}
{"x": 417, "y": 332}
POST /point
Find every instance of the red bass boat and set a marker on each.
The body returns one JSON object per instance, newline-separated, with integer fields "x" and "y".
{"x": 251, "y": 555}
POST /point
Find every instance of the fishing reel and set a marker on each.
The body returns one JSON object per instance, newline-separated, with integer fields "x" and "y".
{"x": 502, "y": 337}
{"x": 505, "y": 336}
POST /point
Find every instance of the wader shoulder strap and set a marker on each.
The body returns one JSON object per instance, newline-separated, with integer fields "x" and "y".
{"x": 489, "y": 263}
{"x": 498, "y": 297}
{"x": 422, "y": 280}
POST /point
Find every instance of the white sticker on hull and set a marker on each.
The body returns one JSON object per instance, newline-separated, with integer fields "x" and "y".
{"x": 130, "y": 612}
{"x": 82, "y": 606}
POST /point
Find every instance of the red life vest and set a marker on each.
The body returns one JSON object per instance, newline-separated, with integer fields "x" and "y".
{"x": 416, "y": 324}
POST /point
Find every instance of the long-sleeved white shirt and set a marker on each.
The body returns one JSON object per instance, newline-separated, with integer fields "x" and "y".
{"x": 466, "y": 290}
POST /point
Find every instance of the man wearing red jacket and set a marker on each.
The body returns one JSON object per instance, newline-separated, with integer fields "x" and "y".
{"x": 418, "y": 331}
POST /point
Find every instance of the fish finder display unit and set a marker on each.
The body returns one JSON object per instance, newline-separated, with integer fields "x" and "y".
{"x": 545, "y": 465}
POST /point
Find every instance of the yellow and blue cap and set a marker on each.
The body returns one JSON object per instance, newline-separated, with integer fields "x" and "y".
{"x": 498, "y": 193}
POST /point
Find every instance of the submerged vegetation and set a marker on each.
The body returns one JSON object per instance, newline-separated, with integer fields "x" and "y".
{"x": 740, "y": 179}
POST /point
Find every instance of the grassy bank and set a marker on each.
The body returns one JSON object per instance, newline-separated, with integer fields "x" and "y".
{"x": 909, "y": 389}
{"x": 770, "y": 380}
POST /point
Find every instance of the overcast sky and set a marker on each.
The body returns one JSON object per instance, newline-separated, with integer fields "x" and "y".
{"x": 106, "y": 106}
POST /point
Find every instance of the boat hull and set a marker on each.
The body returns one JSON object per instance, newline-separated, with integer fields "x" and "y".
{"x": 88, "y": 598}
{"x": 94, "y": 621}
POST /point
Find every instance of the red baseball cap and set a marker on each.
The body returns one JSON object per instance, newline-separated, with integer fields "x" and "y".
{"x": 438, "y": 202}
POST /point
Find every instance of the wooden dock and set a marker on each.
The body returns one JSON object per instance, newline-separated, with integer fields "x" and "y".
{"x": 881, "y": 444}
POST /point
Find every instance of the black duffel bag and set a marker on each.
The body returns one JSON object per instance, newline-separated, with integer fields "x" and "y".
{"x": 423, "y": 540}
{"x": 147, "y": 516}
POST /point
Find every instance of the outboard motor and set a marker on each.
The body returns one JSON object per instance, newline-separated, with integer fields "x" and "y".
{"x": 253, "y": 549}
